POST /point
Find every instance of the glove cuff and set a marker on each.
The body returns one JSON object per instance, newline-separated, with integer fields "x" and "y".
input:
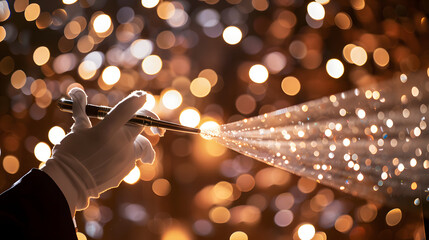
{"x": 74, "y": 180}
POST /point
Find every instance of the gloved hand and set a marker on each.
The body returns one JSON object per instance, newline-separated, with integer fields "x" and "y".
{"x": 91, "y": 160}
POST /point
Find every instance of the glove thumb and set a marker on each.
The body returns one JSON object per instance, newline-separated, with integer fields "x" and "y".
{"x": 81, "y": 120}
{"x": 143, "y": 150}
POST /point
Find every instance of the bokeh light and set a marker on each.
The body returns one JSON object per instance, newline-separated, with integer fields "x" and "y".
{"x": 275, "y": 62}
{"x": 141, "y": 48}
{"x": 133, "y": 176}
{"x": 210, "y": 75}
{"x": 316, "y": 10}
{"x": 150, "y": 102}
{"x": 284, "y": 201}
{"x": 165, "y": 40}
{"x": 298, "y": 49}
{"x": 4, "y": 11}
{"x": 358, "y": 4}
{"x": 343, "y": 21}
{"x": 200, "y": 87}
{"x": 245, "y": 104}
{"x": 306, "y": 231}
{"x": 41, "y": 55}
{"x": 79, "y": 235}
{"x": 2, "y": 33}
{"x": 232, "y": 35}
{"x": 335, "y": 68}
{"x": 223, "y": 190}
{"x": 175, "y": 233}
{"x": 149, "y": 3}
{"x": 358, "y": 55}
{"x": 85, "y": 44}
{"x": 165, "y": 10}
{"x": 10, "y": 164}
{"x": 283, "y": 218}
{"x": 102, "y": 23}
{"x": 210, "y": 63}
{"x": 171, "y": 98}
{"x": 42, "y": 151}
{"x": 87, "y": 69}
{"x": 152, "y": 64}
{"x": 190, "y": 117}
{"x": 368, "y": 212}
{"x": 344, "y": 223}
{"x": 148, "y": 172}
{"x": 258, "y": 73}
{"x": 111, "y": 75}
{"x": 203, "y": 227}
{"x": 393, "y": 217}
{"x": 208, "y": 18}
{"x": 161, "y": 187}
{"x": 381, "y": 57}
{"x": 306, "y": 185}
{"x": 69, "y": 2}
{"x": 56, "y": 134}
{"x": 18, "y": 79}
{"x": 238, "y": 235}
{"x": 32, "y": 12}
{"x": 291, "y": 85}
{"x": 347, "y": 52}
{"x": 245, "y": 182}
{"x": 219, "y": 214}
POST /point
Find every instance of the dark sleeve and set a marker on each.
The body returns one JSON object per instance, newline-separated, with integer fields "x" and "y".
{"x": 35, "y": 208}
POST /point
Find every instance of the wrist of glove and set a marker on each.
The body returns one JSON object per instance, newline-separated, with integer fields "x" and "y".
{"x": 91, "y": 160}
{"x": 74, "y": 180}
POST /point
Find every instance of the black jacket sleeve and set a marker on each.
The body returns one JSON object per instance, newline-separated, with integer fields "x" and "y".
{"x": 35, "y": 208}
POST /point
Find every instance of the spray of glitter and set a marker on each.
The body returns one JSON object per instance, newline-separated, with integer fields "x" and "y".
{"x": 370, "y": 142}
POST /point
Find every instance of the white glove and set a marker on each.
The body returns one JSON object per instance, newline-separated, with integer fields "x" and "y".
{"x": 91, "y": 160}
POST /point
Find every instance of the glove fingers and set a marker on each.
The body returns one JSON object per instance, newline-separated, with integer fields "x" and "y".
{"x": 145, "y": 112}
{"x": 81, "y": 120}
{"x": 132, "y": 131}
{"x": 122, "y": 112}
{"x": 143, "y": 149}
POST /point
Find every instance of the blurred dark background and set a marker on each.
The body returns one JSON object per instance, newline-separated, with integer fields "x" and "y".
{"x": 201, "y": 61}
